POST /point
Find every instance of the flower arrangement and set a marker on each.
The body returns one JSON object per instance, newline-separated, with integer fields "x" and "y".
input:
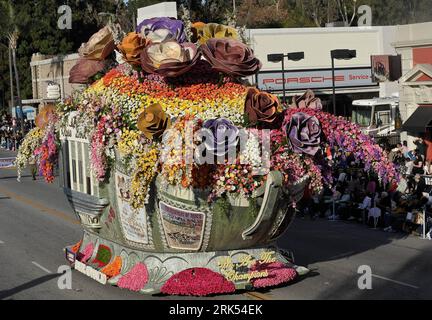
{"x": 135, "y": 279}
{"x": 25, "y": 153}
{"x": 178, "y": 107}
{"x": 97, "y": 151}
{"x": 197, "y": 282}
{"x": 343, "y": 134}
{"x": 47, "y": 155}
{"x": 278, "y": 273}
{"x": 143, "y": 174}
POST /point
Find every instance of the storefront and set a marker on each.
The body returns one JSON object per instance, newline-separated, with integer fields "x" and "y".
{"x": 353, "y": 78}
{"x": 414, "y": 44}
{"x": 350, "y": 83}
{"x": 417, "y": 92}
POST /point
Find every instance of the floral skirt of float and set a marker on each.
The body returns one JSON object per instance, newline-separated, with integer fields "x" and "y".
{"x": 179, "y": 244}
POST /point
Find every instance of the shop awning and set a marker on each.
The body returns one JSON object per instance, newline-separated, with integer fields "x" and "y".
{"x": 419, "y": 120}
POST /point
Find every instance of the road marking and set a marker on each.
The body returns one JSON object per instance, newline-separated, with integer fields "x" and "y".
{"x": 1, "y": 242}
{"x": 397, "y": 282}
{"x": 41, "y": 267}
{"x": 40, "y": 206}
{"x": 257, "y": 296}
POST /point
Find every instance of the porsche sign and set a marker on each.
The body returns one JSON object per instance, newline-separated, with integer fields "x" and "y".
{"x": 315, "y": 79}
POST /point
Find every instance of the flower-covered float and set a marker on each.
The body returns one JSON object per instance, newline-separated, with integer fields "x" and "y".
{"x": 182, "y": 174}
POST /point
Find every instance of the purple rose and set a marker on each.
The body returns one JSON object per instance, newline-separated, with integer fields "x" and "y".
{"x": 304, "y": 133}
{"x": 161, "y": 29}
{"x": 224, "y": 136}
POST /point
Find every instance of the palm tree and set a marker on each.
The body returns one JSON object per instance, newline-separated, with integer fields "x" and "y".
{"x": 11, "y": 34}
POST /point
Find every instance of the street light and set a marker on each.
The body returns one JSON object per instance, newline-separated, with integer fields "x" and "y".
{"x": 279, "y": 57}
{"x": 339, "y": 54}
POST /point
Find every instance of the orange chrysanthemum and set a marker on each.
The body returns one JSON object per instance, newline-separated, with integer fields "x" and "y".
{"x": 113, "y": 268}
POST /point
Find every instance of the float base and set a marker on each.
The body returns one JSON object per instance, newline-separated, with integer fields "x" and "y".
{"x": 218, "y": 272}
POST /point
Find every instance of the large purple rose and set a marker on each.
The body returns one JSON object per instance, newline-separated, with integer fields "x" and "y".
{"x": 304, "y": 133}
{"x": 223, "y": 138}
{"x": 162, "y": 29}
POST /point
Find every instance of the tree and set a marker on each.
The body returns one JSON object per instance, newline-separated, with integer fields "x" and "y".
{"x": 262, "y": 14}
{"x": 10, "y": 31}
{"x": 36, "y": 22}
{"x": 326, "y": 11}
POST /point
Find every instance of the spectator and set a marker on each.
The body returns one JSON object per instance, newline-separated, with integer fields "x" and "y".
{"x": 417, "y": 163}
{"x": 405, "y": 149}
{"x": 371, "y": 186}
{"x": 420, "y": 186}
{"x": 421, "y": 147}
{"x": 428, "y": 143}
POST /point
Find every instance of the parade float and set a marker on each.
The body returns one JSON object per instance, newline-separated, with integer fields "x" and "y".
{"x": 181, "y": 173}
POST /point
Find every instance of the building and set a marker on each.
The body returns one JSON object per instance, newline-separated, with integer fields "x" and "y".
{"x": 50, "y": 74}
{"x": 353, "y": 78}
{"x": 414, "y": 44}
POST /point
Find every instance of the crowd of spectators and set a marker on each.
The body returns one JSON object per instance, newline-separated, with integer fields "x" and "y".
{"x": 361, "y": 197}
{"x": 11, "y": 133}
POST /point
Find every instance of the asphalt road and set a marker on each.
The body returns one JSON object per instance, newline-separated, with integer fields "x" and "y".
{"x": 36, "y": 222}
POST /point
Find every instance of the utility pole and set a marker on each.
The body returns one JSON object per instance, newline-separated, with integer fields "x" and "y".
{"x": 11, "y": 78}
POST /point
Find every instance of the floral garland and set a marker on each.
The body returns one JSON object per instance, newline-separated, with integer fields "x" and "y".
{"x": 47, "y": 154}
{"x": 98, "y": 147}
{"x": 176, "y": 167}
{"x": 144, "y": 173}
{"x": 25, "y": 153}
{"x": 348, "y": 136}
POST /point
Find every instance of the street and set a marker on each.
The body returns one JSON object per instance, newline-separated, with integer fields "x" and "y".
{"x": 36, "y": 222}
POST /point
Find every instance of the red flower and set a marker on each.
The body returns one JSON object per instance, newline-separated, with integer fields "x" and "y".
{"x": 197, "y": 282}
{"x": 278, "y": 273}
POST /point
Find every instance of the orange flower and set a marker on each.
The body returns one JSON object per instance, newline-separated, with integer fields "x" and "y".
{"x": 185, "y": 182}
{"x": 153, "y": 121}
{"x": 131, "y": 47}
{"x": 76, "y": 246}
{"x": 42, "y": 119}
{"x": 261, "y": 106}
{"x": 113, "y": 268}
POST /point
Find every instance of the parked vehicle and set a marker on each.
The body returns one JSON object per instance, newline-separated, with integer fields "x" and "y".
{"x": 378, "y": 117}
